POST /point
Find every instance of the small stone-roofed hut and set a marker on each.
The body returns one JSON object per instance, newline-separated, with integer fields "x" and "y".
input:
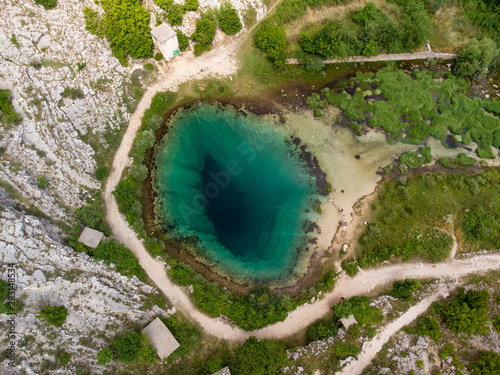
{"x": 166, "y": 40}
{"x": 347, "y": 322}
{"x": 91, "y": 237}
{"x": 224, "y": 371}
{"x": 161, "y": 338}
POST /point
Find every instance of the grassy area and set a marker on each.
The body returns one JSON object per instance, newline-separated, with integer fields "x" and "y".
{"x": 412, "y": 217}
{"x": 412, "y": 107}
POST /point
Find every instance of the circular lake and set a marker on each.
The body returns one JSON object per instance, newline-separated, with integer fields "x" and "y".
{"x": 232, "y": 182}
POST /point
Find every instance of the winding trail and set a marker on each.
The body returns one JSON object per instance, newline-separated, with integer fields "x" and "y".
{"x": 222, "y": 61}
{"x": 375, "y": 345}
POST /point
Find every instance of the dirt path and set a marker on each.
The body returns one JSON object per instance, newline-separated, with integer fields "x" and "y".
{"x": 365, "y": 357}
{"x": 429, "y": 54}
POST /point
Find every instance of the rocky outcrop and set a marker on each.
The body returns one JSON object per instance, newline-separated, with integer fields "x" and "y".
{"x": 70, "y": 91}
{"x": 101, "y": 302}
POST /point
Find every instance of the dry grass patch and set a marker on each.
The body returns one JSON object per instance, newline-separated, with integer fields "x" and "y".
{"x": 451, "y": 30}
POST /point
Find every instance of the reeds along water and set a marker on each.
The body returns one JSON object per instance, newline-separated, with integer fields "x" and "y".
{"x": 234, "y": 183}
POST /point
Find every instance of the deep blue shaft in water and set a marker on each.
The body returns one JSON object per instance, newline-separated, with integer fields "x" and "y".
{"x": 232, "y": 182}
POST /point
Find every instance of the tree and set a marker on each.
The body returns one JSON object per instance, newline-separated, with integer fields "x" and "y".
{"x": 264, "y": 357}
{"x": 127, "y": 347}
{"x": 204, "y": 33}
{"x": 467, "y": 312}
{"x": 475, "y": 58}
{"x": 105, "y": 356}
{"x": 405, "y": 289}
{"x": 417, "y": 24}
{"x": 183, "y": 40}
{"x": 191, "y": 5}
{"x": 272, "y": 40}
{"x": 47, "y": 4}
{"x": 488, "y": 364}
{"x": 126, "y": 25}
{"x": 7, "y": 113}
{"x": 54, "y": 315}
{"x": 229, "y": 21}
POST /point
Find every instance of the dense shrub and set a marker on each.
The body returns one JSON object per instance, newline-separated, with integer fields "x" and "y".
{"x": 475, "y": 58}
{"x": 191, "y": 5}
{"x": 204, "y": 33}
{"x": 487, "y": 364}
{"x": 164, "y": 4}
{"x": 229, "y": 21}
{"x": 405, "y": 289}
{"x": 7, "y": 113}
{"x": 54, "y": 315}
{"x": 257, "y": 357}
{"x": 312, "y": 63}
{"x": 126, "y": 25}
{"x": 428, "y": 326}
{"x": 125, "y": 261}
{"x": 322, "y": 329}
{"x": 467, "y": 312}
{"x": 479, "y": 225}
{"x": 350, "y": 266}
{"x": 105, "y": 356}
{"x": 175, "y": 14}
{"x": 185, "y": 334}
{"x": 361, "y": 309}
{"x": 128, "y": 348}
{"x": 272, "y": 40}
{"x": 47, "y": 4}
{"x": 183, "y": 40}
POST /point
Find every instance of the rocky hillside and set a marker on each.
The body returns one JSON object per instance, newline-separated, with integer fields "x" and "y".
{"x": 101, "y": 302}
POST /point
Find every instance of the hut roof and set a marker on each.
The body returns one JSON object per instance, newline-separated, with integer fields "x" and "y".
{"x": 161, "y": 338}
{"x": 224, "y": 371}
{"x": 90, "y": 237}
{"x": 163, "y": 33}
{"x": 347, "y": 322}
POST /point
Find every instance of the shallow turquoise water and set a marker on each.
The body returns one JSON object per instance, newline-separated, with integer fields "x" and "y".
{"x": 232, "y": 182}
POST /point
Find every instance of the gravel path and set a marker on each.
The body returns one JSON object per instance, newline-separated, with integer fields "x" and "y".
{"x": 365, "y": 357}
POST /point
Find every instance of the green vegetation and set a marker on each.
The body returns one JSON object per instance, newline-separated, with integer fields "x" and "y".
{"x": 409, "y": 211}
{"x": 8, "y": 115}
{"x": 185, "y": 334}
{"x": 183, "y": 40}
{"x": 271, "y": 39}
{"x": 350, "y": 266}
{"x": 47, "y": 4}
{"x": 229, "y": 21}
{"x": 41, "y": 182}
{"x": 487, "y": 364}
{"x": 417, "y": 106}
{"x": 175, "y": 14}
{"x": 481, "y": 225}
{"x": 158, "y": 56}
{"x": 8, "y": 306}
{"x": 405, "y": 289}
{"x": 13, "y": 40}
{"x": 454, "y": 163}
{"x": 131, "y": 347}
{"x": 191, "y": 5}
{"x": 125, "y": 261}
{"x": 476, "y": 58}
{"x": 427, "y": 326}
{"x": 467, "y": 312}
{"x": 322, "y": 329}
{"x": 204, "y": 33}
{"x": 259, "y": 357}
{"x": 361, "y": 309}
{"x": 126, "y": 25}
{"x": 54, "y": 315}
{"x": 72, "y": 93}
{"x": 256, "y": 310}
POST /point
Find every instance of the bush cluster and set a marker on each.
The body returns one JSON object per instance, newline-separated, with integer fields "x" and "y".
{"x": 125, "y": 24}
{"x": 7, "y": 113}
{"x": 131, "y": 347}
{"x": 204, "y": 33}
{"x": 47, "y": 4}
{"x": 54, "y": 315}
{"x": 229, "y": 21}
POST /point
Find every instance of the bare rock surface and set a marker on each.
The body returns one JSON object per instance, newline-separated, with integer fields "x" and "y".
{"x": 101, "y": 302}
